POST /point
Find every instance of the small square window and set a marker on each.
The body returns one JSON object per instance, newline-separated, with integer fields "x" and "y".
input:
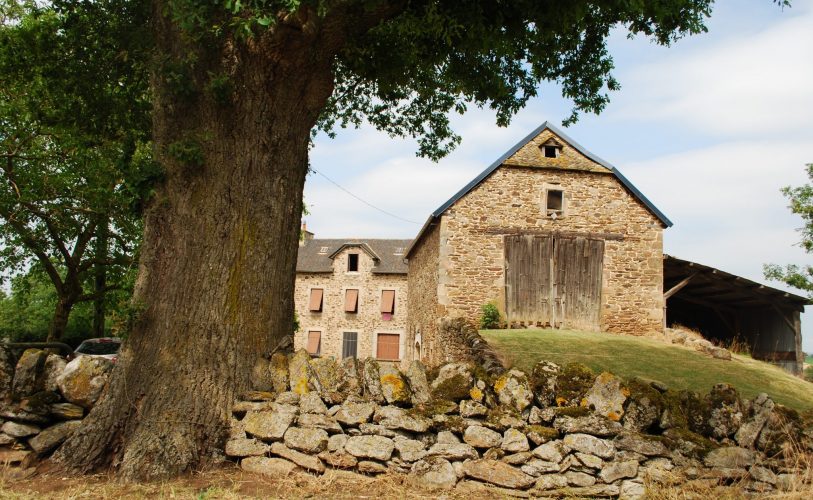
{"x": 352, "y": 262}
{"x": 554, "y": 201}
{"x": 551, "y": 152}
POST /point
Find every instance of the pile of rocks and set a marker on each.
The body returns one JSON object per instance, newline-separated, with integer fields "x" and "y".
{"x": 42, "y": 401}
{"x": 551, "y": 433}
{"x": 694, "y": 340}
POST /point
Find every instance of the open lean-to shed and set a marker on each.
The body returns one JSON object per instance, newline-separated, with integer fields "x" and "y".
{"x": 725, "y": 307}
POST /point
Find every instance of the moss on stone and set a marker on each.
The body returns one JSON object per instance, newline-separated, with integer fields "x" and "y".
{"x": 479, "y": 372}
{"x": 573, "y": 411}
{"x": 496, "y": 415}
{"x": 673, "y": 406}
{"x": 452, "y": 423}
{"x": 454, "y": 388}
{"x": 433, "y": 407}
{"x": 432, "y": 373}
{"x": 573, "y": 383}
{"x": 549, "y": 433}
{"x": 688, "y": 442}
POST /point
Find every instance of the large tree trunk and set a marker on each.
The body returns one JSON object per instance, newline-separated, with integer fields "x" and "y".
{"x": 217, "y": 269}
{"x": 100, "y": 276}
{"x": 59, "y": 322}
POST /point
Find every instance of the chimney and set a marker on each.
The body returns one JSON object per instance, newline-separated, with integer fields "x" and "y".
{"x": 304, "y": 234}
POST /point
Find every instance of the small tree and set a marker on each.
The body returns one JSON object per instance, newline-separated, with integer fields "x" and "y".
{"x": 801, "y": 203}
{"x": 490, "y": 317}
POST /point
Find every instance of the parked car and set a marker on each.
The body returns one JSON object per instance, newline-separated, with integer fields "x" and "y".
{"x": 107, "y": 347}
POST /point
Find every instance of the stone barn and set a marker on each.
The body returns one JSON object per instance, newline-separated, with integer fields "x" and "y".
{"x": 551, "y": 234}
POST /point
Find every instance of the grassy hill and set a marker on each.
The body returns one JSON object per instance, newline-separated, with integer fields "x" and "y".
{"x": 627, "y": 357}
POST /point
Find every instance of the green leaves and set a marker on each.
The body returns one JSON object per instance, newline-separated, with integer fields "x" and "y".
{"x": 801, "y": 203}
{"x": 74, "y": 139}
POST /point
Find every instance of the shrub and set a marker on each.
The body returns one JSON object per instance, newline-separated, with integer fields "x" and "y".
{"x": 490, "y": 317}
{"x": 809, "y": 373}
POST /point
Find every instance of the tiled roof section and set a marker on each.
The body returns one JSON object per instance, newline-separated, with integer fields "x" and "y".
{"x": 314, "y": 256}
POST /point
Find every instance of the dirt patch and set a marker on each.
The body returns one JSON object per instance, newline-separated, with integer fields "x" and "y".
{"x": 228, "y": 482}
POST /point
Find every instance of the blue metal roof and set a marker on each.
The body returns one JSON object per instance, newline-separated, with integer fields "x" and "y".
{"x": 516, "y": 147}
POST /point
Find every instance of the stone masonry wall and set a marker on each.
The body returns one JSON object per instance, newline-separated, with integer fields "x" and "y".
{"x": 43, "y": 399}
{"x": 552, "y": 433}
{"x": 423, "y": 308}
{"x": 333, "y": 321}
{"x": 471, "y": 264}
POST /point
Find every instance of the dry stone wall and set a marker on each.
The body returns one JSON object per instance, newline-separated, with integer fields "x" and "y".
{"x": 43, "y": 399}
{"x": 554, "y": 432}
{"x": 558, "y": 431}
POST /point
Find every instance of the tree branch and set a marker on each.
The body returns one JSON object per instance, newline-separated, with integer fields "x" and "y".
{"x": 98, "y": 294}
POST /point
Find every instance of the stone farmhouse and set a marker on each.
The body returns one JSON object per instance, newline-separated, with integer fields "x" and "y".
{"x": 555, "y": 237}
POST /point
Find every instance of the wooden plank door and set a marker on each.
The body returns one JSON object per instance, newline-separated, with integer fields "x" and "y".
{"x": 528, "y": 278}
{"x": 578, "y": 264}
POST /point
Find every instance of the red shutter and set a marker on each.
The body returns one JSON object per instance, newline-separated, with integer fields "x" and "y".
{"x": 351, "y": 301}
{"x": 387, "y": 346}
{"x": 315, "y": 304}
{"x": 314, "y": 342}
{"x": 388, "y": 301}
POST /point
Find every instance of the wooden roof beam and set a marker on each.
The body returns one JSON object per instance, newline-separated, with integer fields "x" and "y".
{"x": 675, "y": 289}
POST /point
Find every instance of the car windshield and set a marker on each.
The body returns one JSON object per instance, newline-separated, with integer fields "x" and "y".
{"x": 98, "y": 348}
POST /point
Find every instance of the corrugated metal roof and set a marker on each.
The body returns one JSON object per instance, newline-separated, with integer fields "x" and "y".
{"x": 719, "y": 286}
{"x": 547, "y": 125}
{"x": 316, "y": 255}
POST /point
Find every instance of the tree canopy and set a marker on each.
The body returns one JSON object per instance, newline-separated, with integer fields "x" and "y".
{"x": 74, "y": 155}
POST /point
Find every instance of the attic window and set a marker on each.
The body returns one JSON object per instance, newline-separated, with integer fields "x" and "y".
{"x": 554, "y": 202}
{"x": 352, "y": 262}
{"x": 399, "y": 251}
{"x": 551, "y": 152}
{"x": 323, "y": 250}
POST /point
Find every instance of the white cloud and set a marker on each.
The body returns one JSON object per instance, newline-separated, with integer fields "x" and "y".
{"x": 734, "y": 87}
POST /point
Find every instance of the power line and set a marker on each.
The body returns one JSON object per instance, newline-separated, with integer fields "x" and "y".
{"x": 363, "y": 201}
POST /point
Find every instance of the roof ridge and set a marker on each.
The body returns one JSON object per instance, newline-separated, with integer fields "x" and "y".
{"x": 516, "y": 147}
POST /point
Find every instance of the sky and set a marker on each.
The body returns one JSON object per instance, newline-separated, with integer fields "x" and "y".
{"x": 708, "y": 129}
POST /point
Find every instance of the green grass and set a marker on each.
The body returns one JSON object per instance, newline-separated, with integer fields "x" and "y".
{"x": 627, "y": 357}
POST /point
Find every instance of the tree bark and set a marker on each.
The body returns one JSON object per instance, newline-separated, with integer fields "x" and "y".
{"x": 100, "y": 276}
{"x": 217, "y": 267}
{"x": 59, "y": 322}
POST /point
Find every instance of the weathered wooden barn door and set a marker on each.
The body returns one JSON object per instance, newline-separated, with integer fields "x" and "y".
{"x": 553, "y": 281}
{"x": 578, "y": 263}
{"x": 528, "y": 278}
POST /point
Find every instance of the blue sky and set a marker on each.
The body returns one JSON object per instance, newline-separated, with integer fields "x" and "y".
{"x": 709, "y": 129}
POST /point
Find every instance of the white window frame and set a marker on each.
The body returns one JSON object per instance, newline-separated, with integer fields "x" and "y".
{"x": 544, "y": 205}
{"x": 356, "y": 251}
